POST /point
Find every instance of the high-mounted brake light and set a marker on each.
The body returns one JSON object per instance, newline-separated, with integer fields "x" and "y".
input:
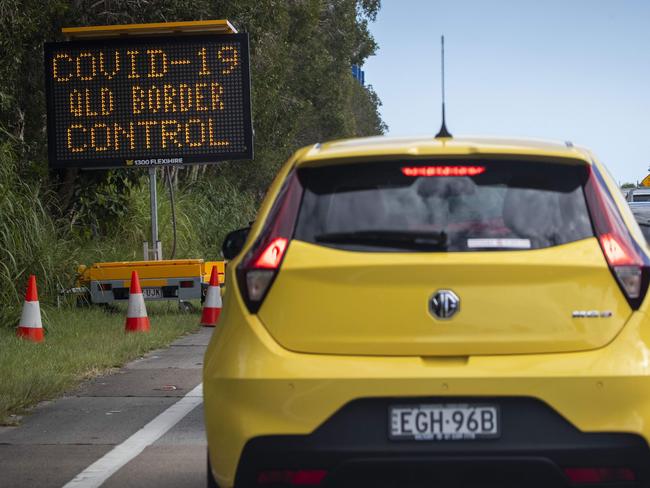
{"x": 442, "y": 170}
{"x": 628, "y": 263}
{"x": 260, "y": 266}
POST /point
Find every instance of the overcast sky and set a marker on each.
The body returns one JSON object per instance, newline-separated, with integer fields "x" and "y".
{"x": 575, "y": 70}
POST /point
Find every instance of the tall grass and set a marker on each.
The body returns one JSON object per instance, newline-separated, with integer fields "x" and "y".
{"x": 31, "y": 241}
{"x": 205, "y": 212}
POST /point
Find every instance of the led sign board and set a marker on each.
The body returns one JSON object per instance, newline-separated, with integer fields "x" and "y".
{"x": 148, "y": 101}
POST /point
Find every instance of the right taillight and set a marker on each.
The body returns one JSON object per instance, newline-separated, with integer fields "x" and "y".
{"x": 628, "y": 263}
{"x": 261, "y": 264}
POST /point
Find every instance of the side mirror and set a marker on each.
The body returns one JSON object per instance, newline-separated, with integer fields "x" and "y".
{"x": 234, "y": 242}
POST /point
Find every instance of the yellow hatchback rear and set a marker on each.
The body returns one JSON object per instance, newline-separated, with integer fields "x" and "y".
{"x": 433, "y": 313}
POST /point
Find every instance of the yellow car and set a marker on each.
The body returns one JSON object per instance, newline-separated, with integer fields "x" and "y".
{"x": 426, "y": 312}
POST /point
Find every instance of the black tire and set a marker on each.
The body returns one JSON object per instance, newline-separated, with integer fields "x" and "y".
{"x": 212, "y": 483}
{"x": 83, "y": 300}
{"x": 186, "y": 307}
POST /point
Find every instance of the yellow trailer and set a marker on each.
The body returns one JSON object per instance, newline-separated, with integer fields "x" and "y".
{"x": 178, "y": 279}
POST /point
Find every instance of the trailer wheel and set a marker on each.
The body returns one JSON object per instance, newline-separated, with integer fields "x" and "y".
{"x": 186, "y": 307}
{"x": 84, "y": 300}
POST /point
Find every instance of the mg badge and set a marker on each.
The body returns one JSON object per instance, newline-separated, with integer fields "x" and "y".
{"x": 444, "y": 304}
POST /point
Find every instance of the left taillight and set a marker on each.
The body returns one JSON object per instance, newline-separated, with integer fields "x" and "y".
{"x": 586, "y": 476}
{"x": 261, "y": 264}
{"x": 628, "y": 263}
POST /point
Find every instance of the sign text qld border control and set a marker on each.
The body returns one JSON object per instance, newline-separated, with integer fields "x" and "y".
{"x": 151, "y": 101}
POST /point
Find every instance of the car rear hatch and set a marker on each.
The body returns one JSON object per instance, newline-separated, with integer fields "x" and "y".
{"x": 446, "y": 257}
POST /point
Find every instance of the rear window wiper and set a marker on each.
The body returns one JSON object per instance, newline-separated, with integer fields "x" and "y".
{"x": 425, "y": 241}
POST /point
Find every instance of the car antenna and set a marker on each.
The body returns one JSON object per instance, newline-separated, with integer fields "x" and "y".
{"x": 443, "y": 132}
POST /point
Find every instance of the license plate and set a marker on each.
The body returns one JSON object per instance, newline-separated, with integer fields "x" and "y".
{"x": 443, "y": 422}
{"x": 152, "y": 293}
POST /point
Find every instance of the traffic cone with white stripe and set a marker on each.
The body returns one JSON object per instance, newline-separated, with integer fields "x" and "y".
{"x": 30, "y": 326}
{"x": 212, "y": 304}
{"x": 136, "y": 312}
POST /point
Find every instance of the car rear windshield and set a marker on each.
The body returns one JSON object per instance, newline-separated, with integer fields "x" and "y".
{"x": 443, "y": 205}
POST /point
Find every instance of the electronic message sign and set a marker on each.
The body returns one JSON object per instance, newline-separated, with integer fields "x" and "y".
{"x": 148, "y": 101}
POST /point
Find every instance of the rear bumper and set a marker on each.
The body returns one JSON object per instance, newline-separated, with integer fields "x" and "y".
{"x": 536, "y": 443}
{"x": 263, "y": 402}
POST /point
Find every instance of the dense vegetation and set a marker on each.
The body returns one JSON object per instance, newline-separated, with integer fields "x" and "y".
{"x": 303, "y": 92}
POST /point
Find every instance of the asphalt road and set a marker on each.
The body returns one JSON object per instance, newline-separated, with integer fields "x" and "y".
{"x": 109, "y": 420}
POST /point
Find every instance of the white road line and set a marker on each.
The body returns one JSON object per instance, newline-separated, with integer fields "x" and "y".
{"x": 102, "y": 469}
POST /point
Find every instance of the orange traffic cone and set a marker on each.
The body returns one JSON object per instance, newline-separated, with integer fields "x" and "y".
{"x": 30, "y": 326}
{"x": 136, "y": 312}
{"x": 212, "y": 304}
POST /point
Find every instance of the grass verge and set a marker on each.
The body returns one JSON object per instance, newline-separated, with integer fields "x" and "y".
{"x": 80, "y": 343}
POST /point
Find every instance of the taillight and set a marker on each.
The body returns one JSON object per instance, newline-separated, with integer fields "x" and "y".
{"x": 284, "y": 477}
{"x": 586, "y": 476}
{"x": 628, "y": 263}
{"x": 272, "y": 254}
{"x": 261, "y": 264}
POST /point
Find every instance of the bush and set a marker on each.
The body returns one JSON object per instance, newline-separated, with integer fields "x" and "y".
{"x": 205, "y": 212}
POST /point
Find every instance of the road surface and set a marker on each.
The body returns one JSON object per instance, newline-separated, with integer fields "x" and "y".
{"x": 140, "y": 427}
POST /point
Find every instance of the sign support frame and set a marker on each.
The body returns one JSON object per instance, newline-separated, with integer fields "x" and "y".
{"x": 156, "y": 251}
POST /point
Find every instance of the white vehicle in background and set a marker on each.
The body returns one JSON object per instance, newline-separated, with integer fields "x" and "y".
{"x": 638, "y": 195}
{"x": 641, "y": 211}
